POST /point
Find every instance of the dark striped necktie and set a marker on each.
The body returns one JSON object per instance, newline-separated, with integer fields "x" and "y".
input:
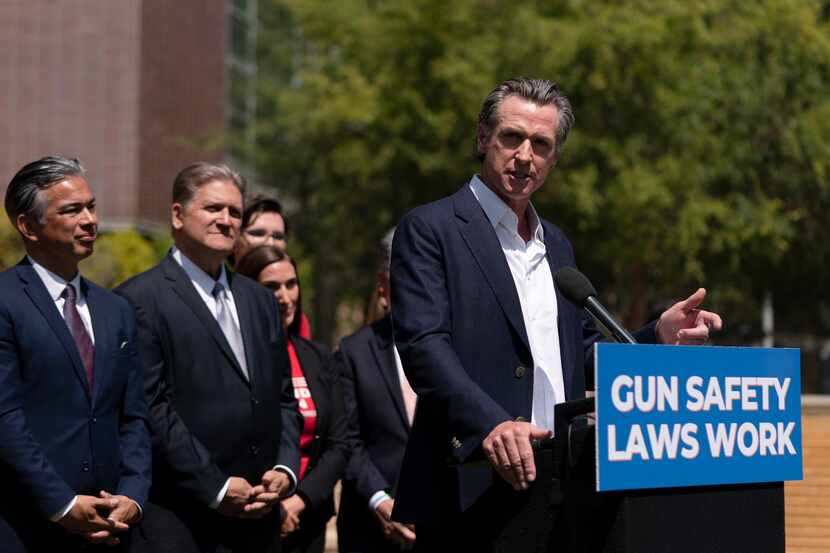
{"x": 79, "y": 333}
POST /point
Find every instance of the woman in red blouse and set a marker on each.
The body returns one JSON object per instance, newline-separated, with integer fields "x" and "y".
{"x": 323, "y": 446}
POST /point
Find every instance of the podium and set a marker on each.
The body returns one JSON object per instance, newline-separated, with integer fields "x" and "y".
{"x": 745, "y": 518}
{"x": 564, "y": 512}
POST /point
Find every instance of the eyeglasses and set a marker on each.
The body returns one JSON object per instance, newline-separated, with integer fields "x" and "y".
{"x": 262, "y": 234}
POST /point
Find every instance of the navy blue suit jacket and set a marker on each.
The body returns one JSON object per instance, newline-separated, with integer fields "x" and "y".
{"x": 460, "y": 332}
{"x": 378, "y": 431}
{"x": 56, "y": 439}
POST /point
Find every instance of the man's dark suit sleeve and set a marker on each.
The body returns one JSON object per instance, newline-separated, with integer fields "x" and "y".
{"x": 197, "y": 474}
{"x": 136, "y": 452}
{"x": 361, "y": 470}
{"x": 423, "y": 334}
{"x": 19, "y": 451}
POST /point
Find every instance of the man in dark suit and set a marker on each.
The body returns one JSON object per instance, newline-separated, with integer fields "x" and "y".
{"x": 223, "y": 417}
{"x": 380, "y": 404}
{"x": 487, "y": 341}
{"x": 74, "y": 445}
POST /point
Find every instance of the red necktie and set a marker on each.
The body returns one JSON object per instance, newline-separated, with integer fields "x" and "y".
{"x": 79, "y": 333}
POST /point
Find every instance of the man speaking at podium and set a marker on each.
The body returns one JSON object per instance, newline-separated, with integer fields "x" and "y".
{"x": 487, "y": 342}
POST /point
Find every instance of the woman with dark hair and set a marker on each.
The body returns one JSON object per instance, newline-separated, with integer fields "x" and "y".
{"x": 264, "y": 224}
{"x": 323, "y": 446}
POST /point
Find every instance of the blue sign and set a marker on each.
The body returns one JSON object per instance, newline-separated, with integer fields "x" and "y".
{"x": 670, "y": 416}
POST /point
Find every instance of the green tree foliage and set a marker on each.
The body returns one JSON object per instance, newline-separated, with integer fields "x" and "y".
{"x": 119, "y": 256}
{"x": 11, "y": 248}
{"x": 701, "y": 152}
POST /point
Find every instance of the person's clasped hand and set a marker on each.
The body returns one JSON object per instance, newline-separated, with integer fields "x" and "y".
{"x": 100, "y": 519}
{"x": 396, "y": 532}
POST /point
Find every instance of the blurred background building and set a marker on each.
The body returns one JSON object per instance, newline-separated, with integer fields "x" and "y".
{"x": 135, "y": 89}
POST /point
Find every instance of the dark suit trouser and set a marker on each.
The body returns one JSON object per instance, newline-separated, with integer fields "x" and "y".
{"x": 30, "y": 533}
{"x": 361, "y": 534}
{"x": 305, "y": 541}
{"x": 202, "y": 530}
{"x": 310, "y": 537}
{"x": 506, "y": 521}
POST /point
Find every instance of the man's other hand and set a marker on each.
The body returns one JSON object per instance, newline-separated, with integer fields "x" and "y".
{"x": 402, "y": 534}
{"x": 126, "y": 510}
{"x": 87, "y": 517}
{"x": 239, "y": 494}
{"x": 684, "y": 323}
{"x": 276, "y": 481}
{"x": 274, "y": 484}
{"x": 508, "y": 448}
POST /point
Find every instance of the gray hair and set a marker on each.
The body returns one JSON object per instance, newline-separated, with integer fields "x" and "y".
{"x": 539, "y": 91}
{"x": 23, "y": 192}
{"x": 193, "y": 177}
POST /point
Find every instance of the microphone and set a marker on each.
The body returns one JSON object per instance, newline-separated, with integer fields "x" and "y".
{"x": 579, "y": 290}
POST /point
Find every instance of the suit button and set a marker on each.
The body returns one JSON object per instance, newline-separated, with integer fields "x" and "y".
{"x": 85, "y": 466}
{"x": 254, "y": 449}
{"x": 520, "y": 371}
{"x": 255, "y": 401}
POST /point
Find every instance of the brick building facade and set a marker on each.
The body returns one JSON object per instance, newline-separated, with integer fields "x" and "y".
{"x": 132, "y": 88}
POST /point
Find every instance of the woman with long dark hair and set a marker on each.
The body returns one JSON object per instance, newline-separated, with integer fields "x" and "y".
{"x": 323, "y": 446}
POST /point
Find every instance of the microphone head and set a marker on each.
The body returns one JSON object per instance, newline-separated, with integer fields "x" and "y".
{"x": 574, "y": 285}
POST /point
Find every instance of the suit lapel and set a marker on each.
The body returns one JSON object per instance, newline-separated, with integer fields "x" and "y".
{"x": 309, "y": 363}
{"x": 556, "y": 254}
{"x": 102, "y": 327}
{"x": 384, "y": 355}
{"x": 182, "y": 286}
{"x": 37, "y": 292}
{"x": 481, "y": 239}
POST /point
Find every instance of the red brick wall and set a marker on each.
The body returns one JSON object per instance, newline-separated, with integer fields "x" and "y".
{"x": 808, "y": 501}
{"x": 126, "y": 86}
{"x": 183, "y": 91}
{"x": 69, "y": 85}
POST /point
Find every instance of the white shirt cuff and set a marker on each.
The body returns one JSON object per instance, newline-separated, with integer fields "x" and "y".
{"x": 62, "y": 513}
{"x": 291, "y": 475}
{"x": 378, "y": 498}
{"x": 140, "y": 510}
{"x": 221, "y": 495}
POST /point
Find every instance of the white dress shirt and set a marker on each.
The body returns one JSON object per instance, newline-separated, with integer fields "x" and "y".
{"x": 55, "y": 285}
{"x": 204, "y": 284}
{"x": 534, "y": 284}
